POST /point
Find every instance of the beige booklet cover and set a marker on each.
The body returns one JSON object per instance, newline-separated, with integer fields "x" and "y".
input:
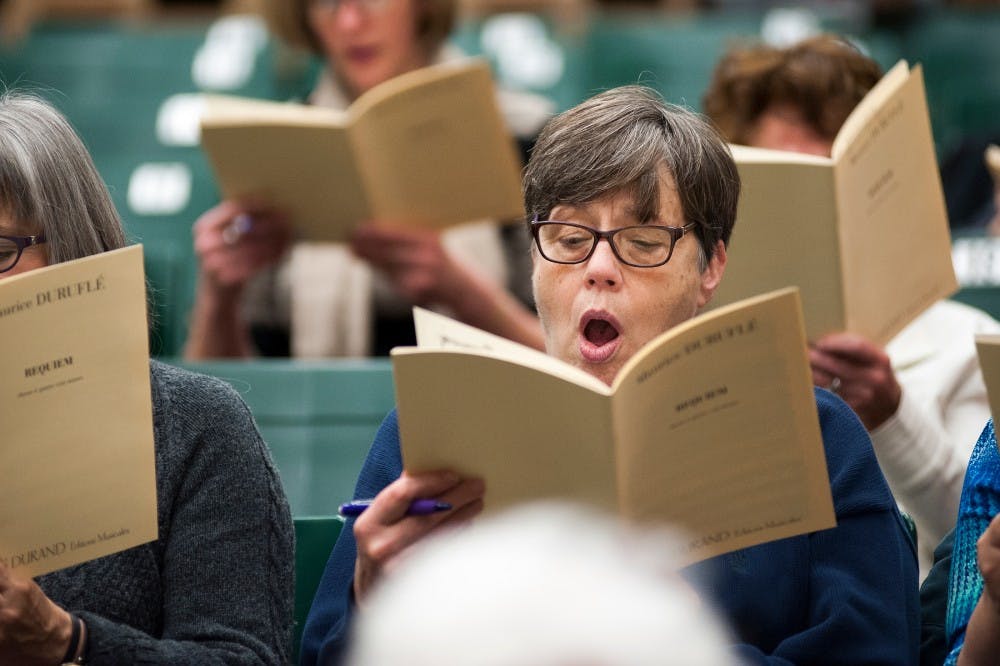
{"x": 863, "y": 234}
{"x": 428, "y": 148}
{"x": 988, "y": 349}
{"x": 77, "y": 461}
{"x": 711, "y": 426}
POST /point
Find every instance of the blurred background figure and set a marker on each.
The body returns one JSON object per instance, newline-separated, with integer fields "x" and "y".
{"x": 922, "y": 396}
{"x": 542, "y": 585}
{"x": 216, "y": 586}
{"x": 322, "y": 300}
{"x": 130, "y": 83}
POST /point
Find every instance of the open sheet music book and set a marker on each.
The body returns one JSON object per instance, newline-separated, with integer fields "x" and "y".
{"x": 712, "y": 426}
{"x": 864, "y": 234}
{"x": 428, "y": 148}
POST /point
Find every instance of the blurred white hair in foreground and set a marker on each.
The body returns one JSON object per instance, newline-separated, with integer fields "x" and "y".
{"x": 548, "y": 584}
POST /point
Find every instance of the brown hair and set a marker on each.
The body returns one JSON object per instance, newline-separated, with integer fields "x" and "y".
{"x": 621, "y": 139}
{"x": 823, "y": 77}
{"x": 290, "y": 20}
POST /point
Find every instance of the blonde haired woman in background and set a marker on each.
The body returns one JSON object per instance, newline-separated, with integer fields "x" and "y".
{"x": 257, "y": 297}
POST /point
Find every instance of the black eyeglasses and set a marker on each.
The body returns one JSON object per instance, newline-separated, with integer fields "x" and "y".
{"x": 642, "y": 246}
{"x": 11, "y": 248}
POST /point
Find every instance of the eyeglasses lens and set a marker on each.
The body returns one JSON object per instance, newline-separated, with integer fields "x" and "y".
{"x": 8, "y": 254}
{"x": 639, "y": 246}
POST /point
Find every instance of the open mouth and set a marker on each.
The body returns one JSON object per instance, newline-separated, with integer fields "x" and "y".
{"x": 599, "y": 332}
{"x": 600, "y": 336}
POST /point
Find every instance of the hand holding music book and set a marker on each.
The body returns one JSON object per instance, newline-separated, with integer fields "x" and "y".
{"x": 712, "y": 426}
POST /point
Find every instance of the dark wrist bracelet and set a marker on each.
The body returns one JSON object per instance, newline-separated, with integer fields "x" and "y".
{"x": 71, "y": 656}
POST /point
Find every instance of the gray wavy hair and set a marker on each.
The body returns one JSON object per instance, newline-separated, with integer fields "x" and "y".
{"x": 619, "y": 140}
{"x": 49, "y": 184}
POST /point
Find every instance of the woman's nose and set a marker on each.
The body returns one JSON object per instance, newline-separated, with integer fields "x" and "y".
{"x": 603, "y": 267}
{"x": 350, "y": 15}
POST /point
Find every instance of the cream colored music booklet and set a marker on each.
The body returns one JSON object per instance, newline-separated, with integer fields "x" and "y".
{"x": 864, "y": 233}
{"x": 426, "y": 149}
{"x": 712, "y": 426}
{"x": 77, "y": 459}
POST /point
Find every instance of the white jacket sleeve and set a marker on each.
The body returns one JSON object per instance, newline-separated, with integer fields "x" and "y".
{"x": 925, "y": 447}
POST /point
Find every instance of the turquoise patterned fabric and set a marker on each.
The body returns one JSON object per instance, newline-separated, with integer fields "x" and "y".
{"x": 979, "y": 504}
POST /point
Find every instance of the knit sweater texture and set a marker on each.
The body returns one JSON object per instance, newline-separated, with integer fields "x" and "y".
{"x": 216, "y": 587}
{"x": 979, "y": 504}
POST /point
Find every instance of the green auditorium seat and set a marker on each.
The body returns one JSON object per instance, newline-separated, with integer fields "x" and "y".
{"x": 529, "y": 52}
{"x": 110, "y": 79}
{"x": 317, "y": 417}
{"x": 985, "y": 297}
{"x": 168, "y": 279}
{"x": 314, "y": 539}
{"x": 960, "y": 52}
{"x": 171, "y": 265}
{"x": 674, "y": 54}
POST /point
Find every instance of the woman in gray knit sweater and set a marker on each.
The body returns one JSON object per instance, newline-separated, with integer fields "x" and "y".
{"x": 216, "y": 586}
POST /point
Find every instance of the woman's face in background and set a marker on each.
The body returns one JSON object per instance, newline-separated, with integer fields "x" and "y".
{"x": 782, "y": 127}
{"x": 368, "y": 42}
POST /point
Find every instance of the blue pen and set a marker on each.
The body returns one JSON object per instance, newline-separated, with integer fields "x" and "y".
{"x": 418, "y": 507}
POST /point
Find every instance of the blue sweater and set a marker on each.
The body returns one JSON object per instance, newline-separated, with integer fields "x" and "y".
{"x": 979, "y": 504}
{"x": 846, "y": 595}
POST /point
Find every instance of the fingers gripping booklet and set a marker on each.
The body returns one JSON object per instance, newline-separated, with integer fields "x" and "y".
{"x": 712, "y": 426}
{"x": 77, "y": 457}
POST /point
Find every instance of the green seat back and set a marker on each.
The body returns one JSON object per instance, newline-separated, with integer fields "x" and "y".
{"x": 314, "y": 539}
{"x": 986, "y": 298}
{"x": 960, "y": 52}
{"x": 110, "y": 79}
{"x": 673, "y": 54}
{"x": 317, "y": 417}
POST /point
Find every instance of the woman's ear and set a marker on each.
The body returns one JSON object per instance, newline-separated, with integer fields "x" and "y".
{"x": 712, "y": 275}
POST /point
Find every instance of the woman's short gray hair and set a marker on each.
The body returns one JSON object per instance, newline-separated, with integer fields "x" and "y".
{"x": 48, "y": 182}
{"x": 620, "y": 139}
